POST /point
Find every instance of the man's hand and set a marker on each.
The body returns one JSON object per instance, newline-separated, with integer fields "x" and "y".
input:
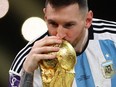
{"x": 40, "y": 51}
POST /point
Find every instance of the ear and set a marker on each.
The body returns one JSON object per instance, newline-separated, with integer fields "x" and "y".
{"x": 89, "y": 18}
{"x": 44, "y": 11}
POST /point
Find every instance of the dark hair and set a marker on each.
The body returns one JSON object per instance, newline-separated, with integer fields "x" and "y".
{"x": 60, "y": 3}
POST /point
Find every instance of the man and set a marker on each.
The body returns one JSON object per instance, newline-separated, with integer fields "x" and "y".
{"x": 95, "y": 46}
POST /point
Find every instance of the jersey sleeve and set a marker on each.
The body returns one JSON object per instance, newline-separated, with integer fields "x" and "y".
{"x": 16, "y": 67}
{"x": 104, "y": 29}
{"x": 17, "y": 64}
{"x": 14, "y": 79}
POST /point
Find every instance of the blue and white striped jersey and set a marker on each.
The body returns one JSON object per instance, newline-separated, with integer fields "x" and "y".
{"x": 91, "y": 63}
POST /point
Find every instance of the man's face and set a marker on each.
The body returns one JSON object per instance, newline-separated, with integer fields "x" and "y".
{"x": 68, "y": 22}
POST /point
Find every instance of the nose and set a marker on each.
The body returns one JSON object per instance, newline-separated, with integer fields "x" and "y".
{"x": 61, "y": 32}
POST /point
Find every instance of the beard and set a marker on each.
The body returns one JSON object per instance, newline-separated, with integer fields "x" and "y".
{"x": 80, "y": 42}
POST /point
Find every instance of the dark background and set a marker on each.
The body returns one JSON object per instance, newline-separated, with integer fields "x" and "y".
{"x": 11, "y": 39}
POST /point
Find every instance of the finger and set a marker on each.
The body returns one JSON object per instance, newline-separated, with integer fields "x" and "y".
{"x": 45, "y": 49}
{"x": 39, "y": 57}
{"x": 51, "y": 40}
{"x": 48, "y": 41}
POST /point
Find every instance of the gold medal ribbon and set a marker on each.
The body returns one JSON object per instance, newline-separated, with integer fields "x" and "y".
{"x": 59, "y": 72}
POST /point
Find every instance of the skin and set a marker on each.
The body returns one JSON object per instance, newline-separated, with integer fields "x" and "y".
{"x": 69, "y": 23}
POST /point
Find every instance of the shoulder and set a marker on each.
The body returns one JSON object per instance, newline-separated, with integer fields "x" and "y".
{"x": 100, "y": 25}
{"x": 104, "y": 29}
{"x": 21, "y": 56}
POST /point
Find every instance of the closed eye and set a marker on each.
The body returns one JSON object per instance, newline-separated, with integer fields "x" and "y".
{"x": 69, "y": 25}
{"x": 52, "y": 23}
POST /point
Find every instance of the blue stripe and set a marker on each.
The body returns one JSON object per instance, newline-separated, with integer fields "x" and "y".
{"x": 109, "y": 48}
{"x": 83, "y": 73}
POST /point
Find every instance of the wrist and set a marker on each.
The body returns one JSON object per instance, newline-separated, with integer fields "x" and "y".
{"x": 28, "y": 70}
{"x": 26, "y": 79}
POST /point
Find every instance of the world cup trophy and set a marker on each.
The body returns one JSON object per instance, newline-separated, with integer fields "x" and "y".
{"x": 59, "y": 72}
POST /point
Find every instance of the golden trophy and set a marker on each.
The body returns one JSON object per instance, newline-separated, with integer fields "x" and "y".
{"x": 59, "y": 72}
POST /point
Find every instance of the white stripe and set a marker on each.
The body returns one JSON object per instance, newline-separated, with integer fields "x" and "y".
{"x": 21, "y": 62}
{"x": 104, "y": 28}
{"x": 95, "y": 19}
{"x": 20, "y": 57}
{"x": 95, "y": 59}
{"x": 101, "y": 24}
{"x": 22, "y": 50}
{"x": 12, "y": 72}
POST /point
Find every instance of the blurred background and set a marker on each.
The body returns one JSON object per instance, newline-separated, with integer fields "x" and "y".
{"x": 11, "y": 38}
